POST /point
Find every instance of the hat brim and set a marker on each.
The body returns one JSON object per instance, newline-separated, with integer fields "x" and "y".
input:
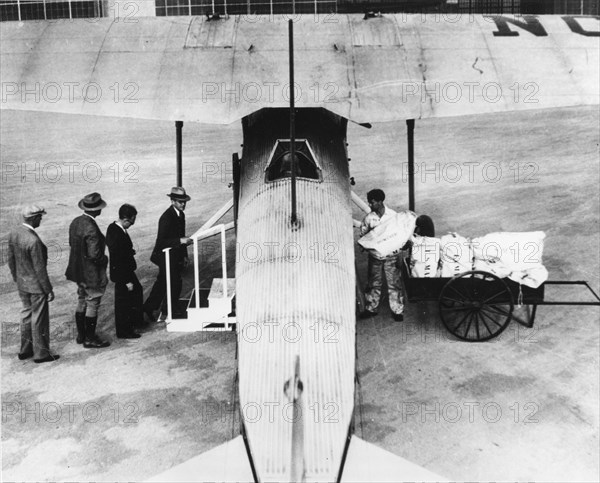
{"x": 26, "y": 216}
{"x": 179, "y": 198}
{"x": 101, "y": 206}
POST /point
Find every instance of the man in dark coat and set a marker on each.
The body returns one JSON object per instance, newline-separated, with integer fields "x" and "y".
{"x": 171, "y": 234}
{"x": 128, "y": 290}
{"x": 27, "y": 260}
{"x": 87, "y": 268}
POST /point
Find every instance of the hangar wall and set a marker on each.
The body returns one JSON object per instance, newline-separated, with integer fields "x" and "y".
{"x": 19, "y": 10}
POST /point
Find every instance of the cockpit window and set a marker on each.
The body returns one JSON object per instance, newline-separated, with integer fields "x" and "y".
{"x": 280, "y": 163}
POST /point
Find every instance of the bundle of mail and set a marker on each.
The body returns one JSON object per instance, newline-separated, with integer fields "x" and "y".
{"x": 388, "y": 238}
{"x": 517, "y": 256}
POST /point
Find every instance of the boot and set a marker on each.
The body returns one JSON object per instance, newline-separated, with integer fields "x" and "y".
{"x": 92, "y": 341}
{"x": 80, "y": 322}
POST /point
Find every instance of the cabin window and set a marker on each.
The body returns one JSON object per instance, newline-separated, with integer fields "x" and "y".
{"x": 280, "y": 161}
{"x": 242, "y": 7}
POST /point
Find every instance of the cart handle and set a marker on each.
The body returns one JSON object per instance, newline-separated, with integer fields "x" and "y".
{"x": 578, "y": 282}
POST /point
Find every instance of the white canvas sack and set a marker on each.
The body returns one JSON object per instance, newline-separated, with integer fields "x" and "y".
{"x": 388, "y": 238}
{"x": 456, "y": 256}
{"x": 514, "y": 255}
{"x": 425, "y": 257}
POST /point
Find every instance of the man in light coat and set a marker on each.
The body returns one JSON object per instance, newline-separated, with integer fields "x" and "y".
{"x": 27, "y": 260}
{"x": 87, "y": 268}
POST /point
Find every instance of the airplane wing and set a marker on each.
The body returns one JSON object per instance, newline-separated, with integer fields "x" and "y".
{"x": 227, "y": 463}
{"x": 366, "y": 463}
{"x": 387, "y": 68}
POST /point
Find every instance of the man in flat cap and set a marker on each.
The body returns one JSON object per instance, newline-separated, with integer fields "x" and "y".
{"x": 171, "y": 234}
{"x": 27, "y": 259}
{"x": 87, "y": 268}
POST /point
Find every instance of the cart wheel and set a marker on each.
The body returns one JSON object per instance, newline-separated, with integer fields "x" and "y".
{"x": 476, "y": 306}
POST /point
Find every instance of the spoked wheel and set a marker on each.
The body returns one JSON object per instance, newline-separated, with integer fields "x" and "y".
{"x": 476, "y": 306}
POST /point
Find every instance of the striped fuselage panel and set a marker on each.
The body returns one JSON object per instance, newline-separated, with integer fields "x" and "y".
{"x": 295, "y": 297}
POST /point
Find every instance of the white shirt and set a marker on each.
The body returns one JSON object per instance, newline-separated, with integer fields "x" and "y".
{"x": 373, "y": 219}
{"x": 118, "y": 223}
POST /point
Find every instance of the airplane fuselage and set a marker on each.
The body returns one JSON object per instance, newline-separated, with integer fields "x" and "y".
{"x": 295, "y": 288}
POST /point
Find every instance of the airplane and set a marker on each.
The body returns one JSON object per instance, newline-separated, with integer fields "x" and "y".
{"x": 348, "y": 68}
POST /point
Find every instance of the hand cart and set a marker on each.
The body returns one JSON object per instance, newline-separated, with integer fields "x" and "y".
{"x": 476, "y": 306}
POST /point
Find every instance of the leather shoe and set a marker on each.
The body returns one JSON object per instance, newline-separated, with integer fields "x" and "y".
{"x": 367, "y": 313}
{"x": 129, "y": 335}
{"x": 26, "y": 355}
{"x": 49, "y": 358}
{"x": 398, "y": 317}
{"x": 95, "y": 343}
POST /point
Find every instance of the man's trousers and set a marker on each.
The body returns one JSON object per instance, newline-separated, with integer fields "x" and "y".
{"x": 392, "y": 275}
{"x": 88, "y": 299}
{"x": 158, "y": 295}
{"x": 128, "y": 307}
{"x": 35, "y": 324}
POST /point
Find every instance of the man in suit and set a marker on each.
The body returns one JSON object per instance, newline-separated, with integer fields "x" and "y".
{"x": 27, "y": 260}
{"x": 87, "y": 268}
{"x": 171, "y": 234}
{"x": 128, "y": 290}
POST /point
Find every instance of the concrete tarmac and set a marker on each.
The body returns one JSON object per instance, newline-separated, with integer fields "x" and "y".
{"x": 522, "y": 407}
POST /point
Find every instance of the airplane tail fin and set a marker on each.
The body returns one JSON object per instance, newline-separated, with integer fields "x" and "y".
{"x": 294, "y": 388}
{"x": 366, "y": 463}
{"x": 227, "y": 463}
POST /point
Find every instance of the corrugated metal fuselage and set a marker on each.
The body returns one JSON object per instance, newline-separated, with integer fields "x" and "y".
{"x": 295, "y": 298}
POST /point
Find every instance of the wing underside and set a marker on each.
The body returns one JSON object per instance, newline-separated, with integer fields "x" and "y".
{"x": 386, "y": 68}
{"x": 366, "y": 463}
{"x": 227, "y": 463}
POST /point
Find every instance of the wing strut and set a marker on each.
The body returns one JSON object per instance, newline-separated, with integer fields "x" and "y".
{"x": 178, "y": 129}
{"x": 410, "y": 133}
{"x": 292, "y": 122}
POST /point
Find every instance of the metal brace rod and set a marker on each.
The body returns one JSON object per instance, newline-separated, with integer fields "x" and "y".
{"x": 168, "y": 274}
{"x": 216, "y": 217}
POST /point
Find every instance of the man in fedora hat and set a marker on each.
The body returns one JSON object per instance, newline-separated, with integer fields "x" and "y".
{"x": 27, "y": 260}
{"x": 171, "y": 234}
{"x": 87, "y": 268}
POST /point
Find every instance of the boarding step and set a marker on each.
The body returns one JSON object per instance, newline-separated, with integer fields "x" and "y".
{"x": 216, "y": 290}
{"x": 215, "y": 313}
{"x": 198, "y": 322}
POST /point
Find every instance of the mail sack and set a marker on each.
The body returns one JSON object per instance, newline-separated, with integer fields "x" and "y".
{"x": 388, "y": 238}
{"x": 456, "y": 255}
{"x": 425, "y": 257}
